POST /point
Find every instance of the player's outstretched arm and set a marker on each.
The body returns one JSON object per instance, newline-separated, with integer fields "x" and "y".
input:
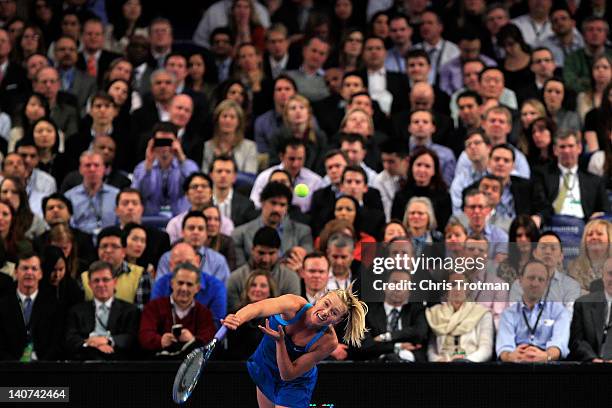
{"x": 288, "y": 304}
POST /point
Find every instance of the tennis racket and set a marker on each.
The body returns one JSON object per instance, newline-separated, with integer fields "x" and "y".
{"x": 189, "y": 372}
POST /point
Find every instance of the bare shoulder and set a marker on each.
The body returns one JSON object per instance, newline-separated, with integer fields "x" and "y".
{"x": 290, "y": 305}
{"x": 328, "y": 343}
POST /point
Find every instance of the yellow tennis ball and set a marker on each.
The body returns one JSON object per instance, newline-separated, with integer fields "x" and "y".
{"x": 301, "y": 190}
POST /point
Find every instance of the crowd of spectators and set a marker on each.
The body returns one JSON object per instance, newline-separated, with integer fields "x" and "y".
{"x": 150, "y": 154}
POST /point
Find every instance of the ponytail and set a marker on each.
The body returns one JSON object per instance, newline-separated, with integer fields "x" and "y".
{"x": 356, "y": 311}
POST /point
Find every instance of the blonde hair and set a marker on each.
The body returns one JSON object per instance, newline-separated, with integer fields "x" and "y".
{"x": 311, "y": 135}
{"x": 355, "y": 328}
{"x": 580, "y": 268}
{"x": 350, "y": 112}
{"x": 222, "y": 107}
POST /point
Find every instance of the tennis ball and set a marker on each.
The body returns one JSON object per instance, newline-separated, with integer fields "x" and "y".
{"x": 301, "y": 190}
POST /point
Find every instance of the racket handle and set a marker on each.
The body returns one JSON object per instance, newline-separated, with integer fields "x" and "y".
{"x": 221, "y": 333}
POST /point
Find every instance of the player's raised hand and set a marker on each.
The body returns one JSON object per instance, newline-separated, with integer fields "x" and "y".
{"x": 276, "y": 335}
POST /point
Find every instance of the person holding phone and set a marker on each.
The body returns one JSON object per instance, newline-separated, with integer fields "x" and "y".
{"x": 160, "y": 176}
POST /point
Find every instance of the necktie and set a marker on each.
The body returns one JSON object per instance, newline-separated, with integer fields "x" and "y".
{"x": 563, "y": 190}
{"x": 102, "y": 319}
{"x": 92, "y": 68}
{"x": 394, "y": 320}
{"x": 27, "y": 311}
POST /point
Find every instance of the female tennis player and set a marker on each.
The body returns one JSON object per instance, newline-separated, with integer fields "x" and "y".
{"x": 284, "y": 365}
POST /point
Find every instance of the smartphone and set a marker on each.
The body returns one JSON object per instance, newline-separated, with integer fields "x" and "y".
{"x": 176, "y": 330}
{"x": 162, "y": 142}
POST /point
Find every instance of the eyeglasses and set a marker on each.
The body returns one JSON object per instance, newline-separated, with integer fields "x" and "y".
{"x": 198, "y": 186}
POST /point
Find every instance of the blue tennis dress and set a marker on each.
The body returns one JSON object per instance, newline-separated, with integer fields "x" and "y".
{"x": 263, "y": 368}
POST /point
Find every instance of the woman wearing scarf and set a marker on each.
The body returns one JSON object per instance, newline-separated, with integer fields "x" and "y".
{"x": 463, "y": 331}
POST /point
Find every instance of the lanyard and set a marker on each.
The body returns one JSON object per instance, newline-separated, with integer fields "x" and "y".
{"x": 535, "y": 327}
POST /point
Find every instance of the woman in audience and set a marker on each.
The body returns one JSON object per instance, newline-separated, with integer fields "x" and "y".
{"x": 600, "y": 162}
{"x": 360, "y": 122}
{"x": 299, "y": 122}
{"x": 245, "y": 25}
{"x": 14, "y": 27}
{"x": 394, "y": 229}
{"x": 540, "y": 135}
{"x": 32, "y": 41}
{"x": 129, "y": 22}
{"x": 553, "y": 93}
{"x": 463, "y": 330}
{"x": 379, "y": 26}
{"x": 595, "y": 249}
{"x": 120, "y": 91}
{"x": 228, "y": 139}
{"x": 135, "y": 245}
{"x": 122, "y": 68}
{"x": 62, "y": 237}
{"x": 56, "y": 278}
{"x": 420, "y": 221}
{"x": 46, "y": 15}
{"x": 424, "y": 180}
{"x": 27, "y": 223}
{"x": 516, "y": 67}
{"x": 522, "y": 235}
{"x": 216, "y": 240}
{"x": 196, "y": 78}
{"x": 10, "y": 234}
{"x": 601, "y": 75}
{"x": 243, "y": 342}
{"x": 530, "y": 110}
{"x": 350, "y": 50}
{"x": 236, "y": 91}
{"x": 598, "y": 123}
{"x": 343, "y": 226}
{"x": 46, "y": 137}
{"x": 455, "y": 235}
{"x": 35, "y": 108}
{"x": 348, "y": 208}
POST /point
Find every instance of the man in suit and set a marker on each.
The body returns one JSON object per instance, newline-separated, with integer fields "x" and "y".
{"x": 232, "y": 204}
{"x": 397, "y": 326}
{"x": 104, "y": 328}
{"x": 277, "y": 58}
{"x": 590, "y": 336}
{"x": 129, "y": 208}
{"x": 275, "y": 199}
{"x": 63, "y": 106}
{"x": 564, "y": 189}
{"x": 176, "y": 64}
{"x": 31, "y": 322}
{"x": 314, "y": 275}
{"x": 181, "y": 115}
{"x": 13, "y": 80}
{"x": 95, "y": 60}
{"x": 323, "y": 199}
{"x": 389, "y": 89}
{"x": 7, "y": 284}
{"x": 73, "y": 80}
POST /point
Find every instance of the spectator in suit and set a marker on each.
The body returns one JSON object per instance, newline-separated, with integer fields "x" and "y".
{"x": 397, "y": 326}
{"x": 278, "y": 58}
{"x": 358, "y": 121}
{"x": 314, "y": 275}
{"x": 275, "y": 199}
{"x": 105, "y": 328}
{"x": 424, "y": 179}
{"x": 463, "y": 330}
{"x": 564, "y": 189}
{"x": 31, "y": 322}
{"x": 418, "y": 69}
{"x": 390, "y": 181}
{"x": 194, "y": 233}
{"x": 400, "y": 33}
{"x": 293, "y": 157}
{"x": 562, "y": 288}
{"x": 522, "y": 337}
{"x": 198, "y": 191}
{"x": 343, "y": 271}
{"x": 389, "y": 89}
{"x": 222, "y": 243}
{"x": 14, "y": 82}
{"x": 133, "y": 282}
{"x": 355, "y": 148}
{"x": 595, "y": 250}
{"x": 94, "y": 60}
{"x": 93, "y": 200}
{"x": 264, "y": 256}
{"x": 163, "y": 171}
{"x": 232, "y": 204}
{"x": 590, "y": 329}
{"x": 64, "y": 110}
{"x": 221, "y": 40}
{"x": 543, "y": 66}
{"x": 129, "y": 209}
{"x": 309, "y": 77}
{"x": 74, "y": 80}
{"x": 176, "y": 324}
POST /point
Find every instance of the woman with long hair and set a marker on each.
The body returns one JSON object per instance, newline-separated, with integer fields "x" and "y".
{"x": 540, "y": 142}
{"x": 523, "y": 234}
{"x": 135, "y": 245}
{"x": 245, "y": 25}
{"x": 299, "y": 123}
{"x": 31, "y": 42}
{"x": 516, "y": 66}
{"x": 26, "y": 222}
{"x": 197, "y": 78}
{"x": 35, "y": 108}
{"x": 10, "y": 234}
{"x": 298, "y": 335}
{"x": 601, "y": 75}
{"x": 424, "y": 180}
{"x": 553, "y": 94}
{"x": 55, "y": 277}
{"x": 45, "y": 135}
{"x": 595, "y": 250}
{"x": 420, "y": 221}
{"x": 600, "y": 162}
{"x": 228, "y": 139}
{"x": 350, "y": 50}
{"x": 217, "y": 241}
{"x": 393, "y": 229}
{"x": 244, "y": 341}
{"x": 62, "y": 237}
{"x": 598, "y": 123}
{"x": 129, "y": 22}
{"x": 347, "y": 208}
{"x": 531, "y": 109}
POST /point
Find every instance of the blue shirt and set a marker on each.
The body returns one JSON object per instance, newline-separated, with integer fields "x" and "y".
{"x": 92, "y": 213}
{"x": 521, "y": 166}
{"x": 163, "y": 187}
{"x": 496, "y": 237}
{"x": 212, "y": 263}
{"x": 212, "y": 293}
{"x": 553, "y": 329}
{"x": 266, "y": 125}
{"x": 395, "y": 62}
{"x": 463, "y": 179}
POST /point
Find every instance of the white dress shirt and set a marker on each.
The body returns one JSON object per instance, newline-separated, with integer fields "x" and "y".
{"x": 572, "y": 204}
